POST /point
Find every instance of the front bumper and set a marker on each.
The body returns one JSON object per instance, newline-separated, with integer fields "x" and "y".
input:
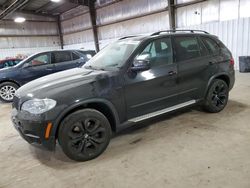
{"x": 33, "y": 129}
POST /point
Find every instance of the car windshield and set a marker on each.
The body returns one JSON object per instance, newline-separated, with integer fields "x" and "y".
{"x": 113, "y": 56}
{"x": 23, "y": 61}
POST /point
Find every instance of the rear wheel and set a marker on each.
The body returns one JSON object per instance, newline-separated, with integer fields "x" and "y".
{"x": 7, "y": 91}
{"x": 217, "y": 96}
{"x": 84, "y": 135}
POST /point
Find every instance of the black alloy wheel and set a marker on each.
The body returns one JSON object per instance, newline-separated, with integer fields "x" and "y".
{"x": 84, "y": 135}
{"x": 217, "y": 96}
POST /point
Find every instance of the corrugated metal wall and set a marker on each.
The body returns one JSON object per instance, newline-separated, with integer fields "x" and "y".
{"x": 212, "y": 10}
{"x": 115, "y": 21}
{"x": 235, "y": 34}
{"x": 35, "y": 35}
{"x": 227, "y": 19}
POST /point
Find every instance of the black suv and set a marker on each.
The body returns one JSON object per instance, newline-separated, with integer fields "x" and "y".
{"x": 131, "y": 80}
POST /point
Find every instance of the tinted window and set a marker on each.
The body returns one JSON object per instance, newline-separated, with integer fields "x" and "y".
{"x": 59, "y": 57}
{"x": 203, "y": 49}
{"x": 158, "y": 52}
{"x": 75, "y": 56}
{"x": 17, "y": 61}
{"x": 88, "y": 52}
{"x": 9, "y": 63}
{"x": 211, "y": 45}
{"x": 186, "y": 48}
{"x": 40, "y": 60}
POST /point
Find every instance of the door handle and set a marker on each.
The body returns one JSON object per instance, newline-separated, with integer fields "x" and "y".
{"x": 211, "y": 62}
{"x": 171, "y": 73}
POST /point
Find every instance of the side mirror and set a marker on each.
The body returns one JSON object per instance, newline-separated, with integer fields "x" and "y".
{"x": 141, "y": 63}
{"x": 26, "y": 65}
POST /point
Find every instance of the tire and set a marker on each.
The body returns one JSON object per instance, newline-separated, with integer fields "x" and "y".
{"x": 7, "y": 91}
{"x": 84, "y": 134}
{"x": 217, "y": 96}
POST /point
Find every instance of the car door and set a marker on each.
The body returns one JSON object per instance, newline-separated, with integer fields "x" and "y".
{"x": 64, "y": 60}
{"x": 193, "y": 67}
{"x": 36, "y": 67}
{"x": 154, "y": 89}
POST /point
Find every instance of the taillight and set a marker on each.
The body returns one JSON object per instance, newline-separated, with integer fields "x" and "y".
{"x": 232, "y": 62}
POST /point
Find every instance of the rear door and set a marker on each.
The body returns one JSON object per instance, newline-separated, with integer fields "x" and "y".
{"x": 36, "y": 67}
{"x": 64, "y": 60}
{"x": 193, "y": 66}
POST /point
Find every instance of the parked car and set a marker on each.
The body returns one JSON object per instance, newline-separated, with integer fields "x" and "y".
{"x": 131, "y": 80}
{"x": 36, "y": 66}
{"x": 6, "y": 63}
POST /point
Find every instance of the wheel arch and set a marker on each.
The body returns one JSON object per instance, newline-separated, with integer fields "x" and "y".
{"x": 101, "y": 105}
{"x": 12, "y": 81}
{"x": 223, "y": 76}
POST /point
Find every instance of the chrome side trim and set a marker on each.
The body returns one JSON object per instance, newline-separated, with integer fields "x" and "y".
{"x": 163, "y": 111}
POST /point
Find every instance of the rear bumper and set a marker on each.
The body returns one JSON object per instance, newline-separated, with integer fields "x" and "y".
{"x": 232, "y": 79}
{"x": 32, "y": 129}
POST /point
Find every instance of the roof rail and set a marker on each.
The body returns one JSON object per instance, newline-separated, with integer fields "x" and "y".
{"x": 174, "y": 31}
{"x": 127, "y": 37}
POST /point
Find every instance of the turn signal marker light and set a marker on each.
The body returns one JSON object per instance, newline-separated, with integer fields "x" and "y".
{"x": 48, "y": 130}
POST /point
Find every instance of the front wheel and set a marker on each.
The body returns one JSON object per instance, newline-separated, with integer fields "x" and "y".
{"x": 84, "y": 134}
{"x": 217, "y": 96}
{"x": 7, "y": 91}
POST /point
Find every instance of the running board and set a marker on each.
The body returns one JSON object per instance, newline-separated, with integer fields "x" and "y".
{"x": 163, "y": 111}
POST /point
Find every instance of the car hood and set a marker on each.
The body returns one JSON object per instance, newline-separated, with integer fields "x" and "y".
{"x": 43, "y": 86}
{"x": 7, "y": 70}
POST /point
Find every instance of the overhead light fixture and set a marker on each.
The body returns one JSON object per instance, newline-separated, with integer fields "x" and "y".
{"x": 56, "y": 1}
{"x": 20, "y": 20}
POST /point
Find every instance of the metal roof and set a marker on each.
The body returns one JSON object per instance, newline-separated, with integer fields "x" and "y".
{"x": 41, "y": 7}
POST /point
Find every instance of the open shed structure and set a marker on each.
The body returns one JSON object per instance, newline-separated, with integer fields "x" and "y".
{"x": 91, "y": 24}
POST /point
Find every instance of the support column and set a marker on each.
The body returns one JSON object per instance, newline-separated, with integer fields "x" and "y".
{"x": 171, "y": 11}
{"x": 92, "y": 12}
{"x": 60, "y": 34}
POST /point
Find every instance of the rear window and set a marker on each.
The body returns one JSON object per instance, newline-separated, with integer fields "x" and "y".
{"x": 60, "y": 57}
{"x": 211, "y": 45}
{"x": 186, "y": 48}
{"x": 75, "y": 56}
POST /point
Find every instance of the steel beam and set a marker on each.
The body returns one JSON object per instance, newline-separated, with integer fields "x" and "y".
{"x": 171, "y": 11}
{"x": 46, "y": 5}
{"x": 12, "y": 8}
{"x": 39, "y": 35}
{"x": 60, "y": 34}
{"x": 92, "y": 13}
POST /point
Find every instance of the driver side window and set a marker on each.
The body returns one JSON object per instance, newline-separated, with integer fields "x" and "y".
{"x": 158, "y": 52}
{"x": 39, "y": 60}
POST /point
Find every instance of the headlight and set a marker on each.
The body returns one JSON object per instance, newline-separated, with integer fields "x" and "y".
{"x": 38, "y": 106}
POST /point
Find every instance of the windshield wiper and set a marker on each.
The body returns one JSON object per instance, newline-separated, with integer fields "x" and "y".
{"x": 93, "y": 68}
{"x": 113, "y": 65}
